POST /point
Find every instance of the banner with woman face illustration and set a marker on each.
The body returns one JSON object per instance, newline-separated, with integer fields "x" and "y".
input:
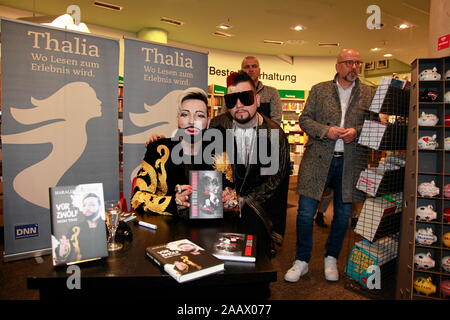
{"x": 59, "y": 124}
{"x": 154, "y": 77}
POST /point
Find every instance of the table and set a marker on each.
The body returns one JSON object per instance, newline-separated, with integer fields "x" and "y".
{"x": 129, "y": 273}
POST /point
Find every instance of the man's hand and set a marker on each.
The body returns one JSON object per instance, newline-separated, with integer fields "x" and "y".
{"x": 349, "y": 135}
{"x": 335, "y": 133}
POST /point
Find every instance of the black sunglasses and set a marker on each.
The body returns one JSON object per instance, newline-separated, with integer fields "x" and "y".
{"x": 247, "y": 98}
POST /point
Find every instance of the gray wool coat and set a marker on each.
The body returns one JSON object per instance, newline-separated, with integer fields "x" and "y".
{"x": 322, "y": 111}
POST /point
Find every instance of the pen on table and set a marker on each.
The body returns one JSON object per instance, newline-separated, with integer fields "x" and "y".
{"x": 147, "y": 225}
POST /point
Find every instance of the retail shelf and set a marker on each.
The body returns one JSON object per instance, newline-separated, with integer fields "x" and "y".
{"x": 431, "y": 247}
{"x": 431, "y": 222}
{"x": 420, "y": 165}
{"x": 430, "y": 271}
{"x": 434, "y": 174}
{"x": 440, "y": 150}
{"x": 426, "y": 297}
{"x": 433, "y": 198}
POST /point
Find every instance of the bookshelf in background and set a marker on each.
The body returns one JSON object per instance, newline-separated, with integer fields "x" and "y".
{"x": 293, "y": 104}
{"x": 216, "y": 99}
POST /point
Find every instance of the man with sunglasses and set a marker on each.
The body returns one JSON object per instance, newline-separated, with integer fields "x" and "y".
{"x": 262, "y": 192}
{"x": 270, "y": 103}
{"x": 333, "y": 112}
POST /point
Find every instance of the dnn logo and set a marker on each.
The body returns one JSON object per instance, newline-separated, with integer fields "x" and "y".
{"x": 26, "y": 231}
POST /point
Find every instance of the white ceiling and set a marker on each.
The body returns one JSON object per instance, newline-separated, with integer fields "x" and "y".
{"x": 341, "y": 21}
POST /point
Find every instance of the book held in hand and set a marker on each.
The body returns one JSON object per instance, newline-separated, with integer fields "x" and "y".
{"x": 78, "y": 223}
{"x": 184, "y": 260}
{"x": 235, "y": 247}
{"x": 206, "y": 198}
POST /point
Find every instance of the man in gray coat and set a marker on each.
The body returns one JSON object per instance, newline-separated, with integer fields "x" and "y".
{"x": 331, "y": 118}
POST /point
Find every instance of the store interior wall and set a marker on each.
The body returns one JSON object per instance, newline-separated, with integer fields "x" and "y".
{"x": 439, "y": 27}
{"x": 302, "y": 74}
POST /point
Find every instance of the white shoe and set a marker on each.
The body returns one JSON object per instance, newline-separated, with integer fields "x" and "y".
{"x": 331, "y": 270}
{"x": 298, "y": 269}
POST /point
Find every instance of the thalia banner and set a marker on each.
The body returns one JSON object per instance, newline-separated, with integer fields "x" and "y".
{"x": 154, "y": 77}
{"x": 59, "y": 125}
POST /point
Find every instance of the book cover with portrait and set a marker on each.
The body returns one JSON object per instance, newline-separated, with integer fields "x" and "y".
{"x": 206, "y": 198}
{"x": 78, "y": 223}
{"x": 184, "y": 260}
{"x": 230, "y": 246}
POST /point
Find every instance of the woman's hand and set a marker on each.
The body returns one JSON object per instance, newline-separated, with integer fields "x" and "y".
{"x": 182, "y": 195}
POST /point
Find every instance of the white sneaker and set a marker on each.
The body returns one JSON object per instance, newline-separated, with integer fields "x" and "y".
{"x": 298, "y": 269}
{"x": 331, "y": 270}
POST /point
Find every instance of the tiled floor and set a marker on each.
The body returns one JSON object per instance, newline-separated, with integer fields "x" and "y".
{"x": 313, "y": 285}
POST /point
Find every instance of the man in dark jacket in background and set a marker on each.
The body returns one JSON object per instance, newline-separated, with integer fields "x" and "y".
{"x": 261, "y": 186}
{"x": 270, "y": 104}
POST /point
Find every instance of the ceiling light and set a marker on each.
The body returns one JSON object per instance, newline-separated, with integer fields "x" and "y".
{"x": 375, "y": 49}
{"x": 224, "y": 26}
{"x": 107, "y": 5}
{"x": 172, "y": 21}
{"x": 295, "y": 41}
{"x": 403, "y": 26}
{"x": 328, "y": 44}
{"x": 222, "y": 34}
{"x": 298, "y": 27}
{"x": 273, "y": 42}
{"x": 387, "y": 55}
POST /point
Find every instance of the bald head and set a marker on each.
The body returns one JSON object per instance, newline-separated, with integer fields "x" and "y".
{"x": 347, "y": 66}
{"x": 348, "y": 54}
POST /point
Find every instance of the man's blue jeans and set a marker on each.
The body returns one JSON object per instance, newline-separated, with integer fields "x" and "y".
{"x": 307, "y": 209}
